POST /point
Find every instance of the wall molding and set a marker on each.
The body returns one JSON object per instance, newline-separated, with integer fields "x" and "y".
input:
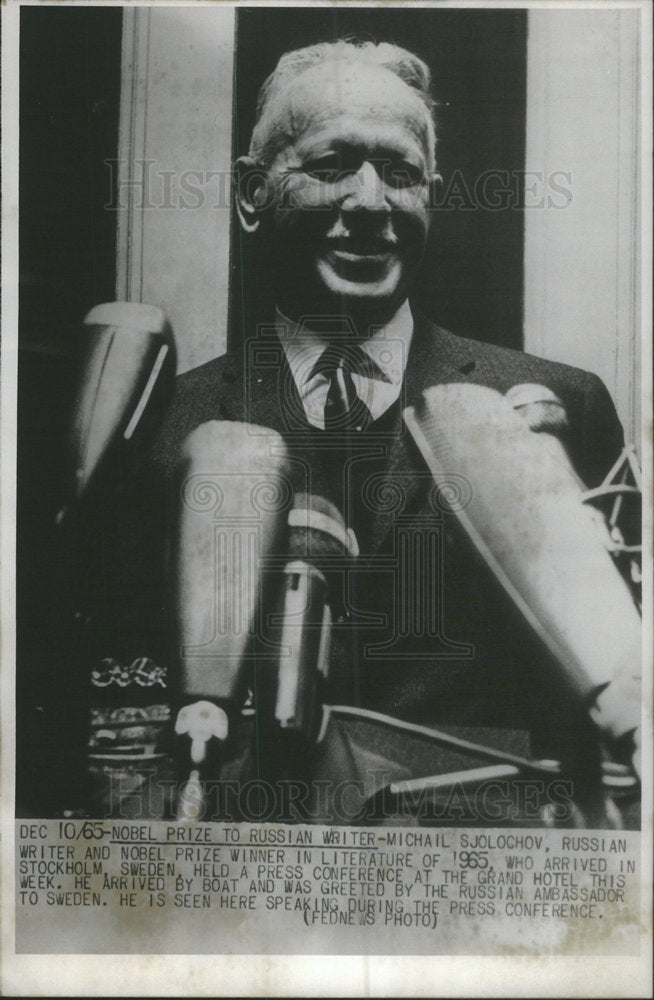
{"x": 582, "y": 261}
{"x": 173, "y": 172}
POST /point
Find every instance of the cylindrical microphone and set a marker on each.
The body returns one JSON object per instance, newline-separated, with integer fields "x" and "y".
{"x": 234, "y": 494}
{"x": 109, "y": 542}
{"x": 319, "y": 547}
{"x": 527, "y": 519}
{"x": 545, "y": 414}
{"x": 129, "y": 357}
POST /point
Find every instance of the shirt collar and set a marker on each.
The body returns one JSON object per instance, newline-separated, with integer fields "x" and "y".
{"x": 388, "y": 346}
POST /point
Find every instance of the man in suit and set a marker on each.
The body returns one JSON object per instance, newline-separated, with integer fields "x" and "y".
{"x": 336, "y": 192}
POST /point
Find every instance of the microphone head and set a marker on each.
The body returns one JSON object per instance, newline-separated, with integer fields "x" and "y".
{"x": 317, "y": 529}
{"x": 222, "y": 449}
{"x": 129, "y": 355}
{"x": 541, "y": 408}
{"x": 234, "y": 493}
{"x": 138, "y": 317}
{"x": 527, "y": 519}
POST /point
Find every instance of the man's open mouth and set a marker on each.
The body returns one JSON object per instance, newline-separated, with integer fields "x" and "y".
{"x": 360, "y": 252}
{"x": 355, "y": 256}
{"x": 354, "y": 250}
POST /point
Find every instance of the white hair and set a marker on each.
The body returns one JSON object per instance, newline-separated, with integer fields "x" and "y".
{"x": 267, "y": 140}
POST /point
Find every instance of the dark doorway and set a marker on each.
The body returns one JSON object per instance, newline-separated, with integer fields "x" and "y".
{"x": 69, "y": 109}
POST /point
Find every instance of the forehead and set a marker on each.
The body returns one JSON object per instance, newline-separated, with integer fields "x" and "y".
{"x": 341, "y": 96}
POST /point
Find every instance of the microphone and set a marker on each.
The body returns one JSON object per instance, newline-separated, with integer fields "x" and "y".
{"x": 527, "y": 519}
{"x": 106, "y": 535}
{"x": 319, "y": 547}
{"x": 543, "y": 412}
{"x": 129, "y": 359}
{"x": 234, "y": 490}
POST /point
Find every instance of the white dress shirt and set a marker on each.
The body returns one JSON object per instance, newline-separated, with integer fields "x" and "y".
{"x": 388, "y": 347}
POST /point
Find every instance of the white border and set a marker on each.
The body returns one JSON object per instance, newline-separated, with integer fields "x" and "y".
{"x": 8, "y": 418}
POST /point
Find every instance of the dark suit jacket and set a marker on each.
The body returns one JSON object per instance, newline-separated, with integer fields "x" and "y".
{"x": 256, "y": 385}
{"x": 476, "y": 664}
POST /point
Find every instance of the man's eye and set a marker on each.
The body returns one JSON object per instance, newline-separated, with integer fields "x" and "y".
{"x": 403, "y": 174}
{"x": 326, "y": 169}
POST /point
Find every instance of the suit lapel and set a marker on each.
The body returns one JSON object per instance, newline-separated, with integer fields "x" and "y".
{"x": 435, "y": 358}
{"x": 258, "y": 386}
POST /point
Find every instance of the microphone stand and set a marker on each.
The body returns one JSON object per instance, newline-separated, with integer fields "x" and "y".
{"x": 616, "y": 779}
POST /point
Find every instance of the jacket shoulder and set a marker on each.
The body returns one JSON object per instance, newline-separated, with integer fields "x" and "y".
{"x": 504, "y": 364}
{"x": 595, "y": 433}
{"x": 196, "y": 399}
{"x": 205, "y": 377}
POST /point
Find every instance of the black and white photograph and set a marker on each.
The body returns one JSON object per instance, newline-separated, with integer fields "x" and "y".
{"x": 326, "y": 474}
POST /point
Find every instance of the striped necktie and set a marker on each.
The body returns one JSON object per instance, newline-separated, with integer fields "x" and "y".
{"x": 344, "y": 409}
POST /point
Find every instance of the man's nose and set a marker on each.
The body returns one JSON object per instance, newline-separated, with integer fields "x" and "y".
{"x": 365, "y": 191}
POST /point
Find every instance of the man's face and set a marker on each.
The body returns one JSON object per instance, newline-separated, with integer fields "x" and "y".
{"x": 350, "y": 212}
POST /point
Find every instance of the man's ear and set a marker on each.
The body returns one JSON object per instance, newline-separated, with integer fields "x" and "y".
{"x": 252, "y": 190}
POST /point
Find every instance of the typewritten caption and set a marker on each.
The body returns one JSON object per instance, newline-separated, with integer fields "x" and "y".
{"x": 114, "y": 886}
